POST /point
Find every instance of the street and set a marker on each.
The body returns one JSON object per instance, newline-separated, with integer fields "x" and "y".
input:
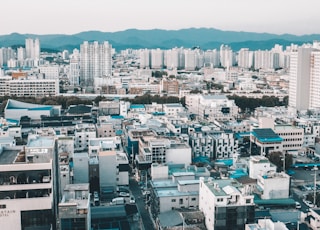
{"x": 136, "y": 192}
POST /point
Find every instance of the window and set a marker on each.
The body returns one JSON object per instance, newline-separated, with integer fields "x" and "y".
{"x": 193, "y": 198}
{"x": 173, "y": 200}
{"x": 3, "y": 206}
{"x": 248, "y": 201}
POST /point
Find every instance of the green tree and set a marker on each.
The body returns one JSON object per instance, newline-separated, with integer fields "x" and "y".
{"x": 277, "y": 159}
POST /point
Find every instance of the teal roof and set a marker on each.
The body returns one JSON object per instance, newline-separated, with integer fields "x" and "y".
{"x": 42, "y": 108}
{"x": 266, "y": 135}
{"x": 284, "y": 201}
{"x": 137, "y": 106}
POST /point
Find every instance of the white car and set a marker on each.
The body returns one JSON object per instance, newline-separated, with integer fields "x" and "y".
{"x": 298, "y": 205}
{"x": 308, "y": 203}
{"x": 132, "y": 200}
{"x": 124, "y": 194}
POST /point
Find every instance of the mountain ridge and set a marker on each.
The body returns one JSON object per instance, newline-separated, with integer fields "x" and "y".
{"x": 205, "y": 38}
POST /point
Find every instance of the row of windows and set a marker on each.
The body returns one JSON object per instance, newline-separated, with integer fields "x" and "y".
{"x": 292, "y": 145}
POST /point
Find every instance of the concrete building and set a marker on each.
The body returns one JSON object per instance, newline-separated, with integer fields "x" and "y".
{"x": 113, "y": 169}
{"x": 157, "y": 58}
{"x": 212, "y": 107}
{"x": 74, "y": 208}
{"x": 95, "y": 62}
{"x": 28, "y": 185}
{"x": 265, "y": 141}
{"x": 29, "y": 87}
{"x": 225, "y": 204}
{"x": 245, "y": 58}
{"x": 273, "y": 185}
{"x": 32, "y": 48}
{"x": 292, "y": 138}
{"x": 300, "y": 78}
{"x": 260, "y": 165}
{"x": 83, "y": 132}
{"x": 173, "y": 109}
{"x": 49, "y": 72}
{"x": 181, "y": 191}
{"x": 266, "y": 224}
{"x": 74, "y": 73}
{"x": 145, "y": 58}
{"x": 169, "y": 86}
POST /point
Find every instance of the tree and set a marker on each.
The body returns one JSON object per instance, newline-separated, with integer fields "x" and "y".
{"x": 277, "y": 159}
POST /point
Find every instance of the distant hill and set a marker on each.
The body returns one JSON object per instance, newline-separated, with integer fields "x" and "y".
{"x": 205, "y": 38}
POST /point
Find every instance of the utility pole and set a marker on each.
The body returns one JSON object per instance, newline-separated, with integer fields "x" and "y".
{"x": 315, "y": 168}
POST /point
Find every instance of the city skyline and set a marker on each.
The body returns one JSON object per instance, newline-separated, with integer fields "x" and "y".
{"x": 66, "y": 17}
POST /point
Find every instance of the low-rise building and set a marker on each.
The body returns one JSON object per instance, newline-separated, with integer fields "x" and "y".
{"x": 74, "y": 208}
{"x": 225, "y": 204}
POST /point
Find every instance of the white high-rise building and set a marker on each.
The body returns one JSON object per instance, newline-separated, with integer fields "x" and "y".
{"x": 95, "y": 62}
{"x": 190, "y": 59}
{"x": 172, "y": 58}
{"x": 299, "y": 83}
{"x": 74, "y": 72}
{"x": 212, "y": 58}
{"x": 32, "y": 48}
{"x": 144, "y": 58}
{"x": 226, "y": 56}
{"x": 157, "y": 58}
{"x": 21, "y": 53}
{"x": 315, "y": 80}
{"x": 245, "y": 58}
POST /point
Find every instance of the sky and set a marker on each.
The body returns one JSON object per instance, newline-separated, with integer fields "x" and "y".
{"x": 74, "y": 16}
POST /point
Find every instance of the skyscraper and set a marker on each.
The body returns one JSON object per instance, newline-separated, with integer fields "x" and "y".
{"x": 95, "y": 61}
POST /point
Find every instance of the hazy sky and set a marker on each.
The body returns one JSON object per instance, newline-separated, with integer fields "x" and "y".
{"x": 73, "y": 16}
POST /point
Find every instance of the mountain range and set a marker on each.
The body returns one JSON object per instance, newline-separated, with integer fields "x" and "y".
{"x": 205, "y": 38}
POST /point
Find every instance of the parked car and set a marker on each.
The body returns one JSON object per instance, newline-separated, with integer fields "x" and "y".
{"x": 308, "y": 203}
{"x": 132, "y": 200}
{"x": 124, "y": 194}
{"x": 298, "y": 205}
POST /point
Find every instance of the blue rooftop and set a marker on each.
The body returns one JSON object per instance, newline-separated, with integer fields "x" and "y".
{"x": 137, "y": 106}
{"x": 266, "y": 135}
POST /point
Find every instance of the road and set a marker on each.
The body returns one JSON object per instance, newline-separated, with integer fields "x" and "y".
{"x": 136, "y": 192}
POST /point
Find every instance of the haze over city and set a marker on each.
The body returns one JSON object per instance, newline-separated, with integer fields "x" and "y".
{"x": 69, "y": 17}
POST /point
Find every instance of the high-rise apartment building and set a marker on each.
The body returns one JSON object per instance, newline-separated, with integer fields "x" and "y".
{"x": 95, "y": 62}
{"x": 157, "y": 58}
{"x": 299, "y": 83}
{"x": 144, "y": 58}
{"x": 226, "y": 56}
{"x": 245, "y": 58}
{"x": 32, "y": 48}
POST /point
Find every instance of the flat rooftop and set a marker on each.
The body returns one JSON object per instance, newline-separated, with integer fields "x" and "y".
{"x": 8, "y": 156}
{"x": 174, "y": 192}
{"x": 221, "y": 187}
{"x": 41, "y": 142}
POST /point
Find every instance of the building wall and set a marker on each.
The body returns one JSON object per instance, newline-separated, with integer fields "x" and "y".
{"x": 108, "y": 168}
{"x": 179, "y": 155}
{"x": 81, "y": 168}
{"x": 274, "y": 186}
{"x": 168, "y": 203}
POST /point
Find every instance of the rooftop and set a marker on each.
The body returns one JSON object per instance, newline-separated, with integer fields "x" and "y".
{"x": 41, "y": 142}
{"x": 223, "y": 187}
{"x": 8, "y": 156}
{"x": 266, "y": 135}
